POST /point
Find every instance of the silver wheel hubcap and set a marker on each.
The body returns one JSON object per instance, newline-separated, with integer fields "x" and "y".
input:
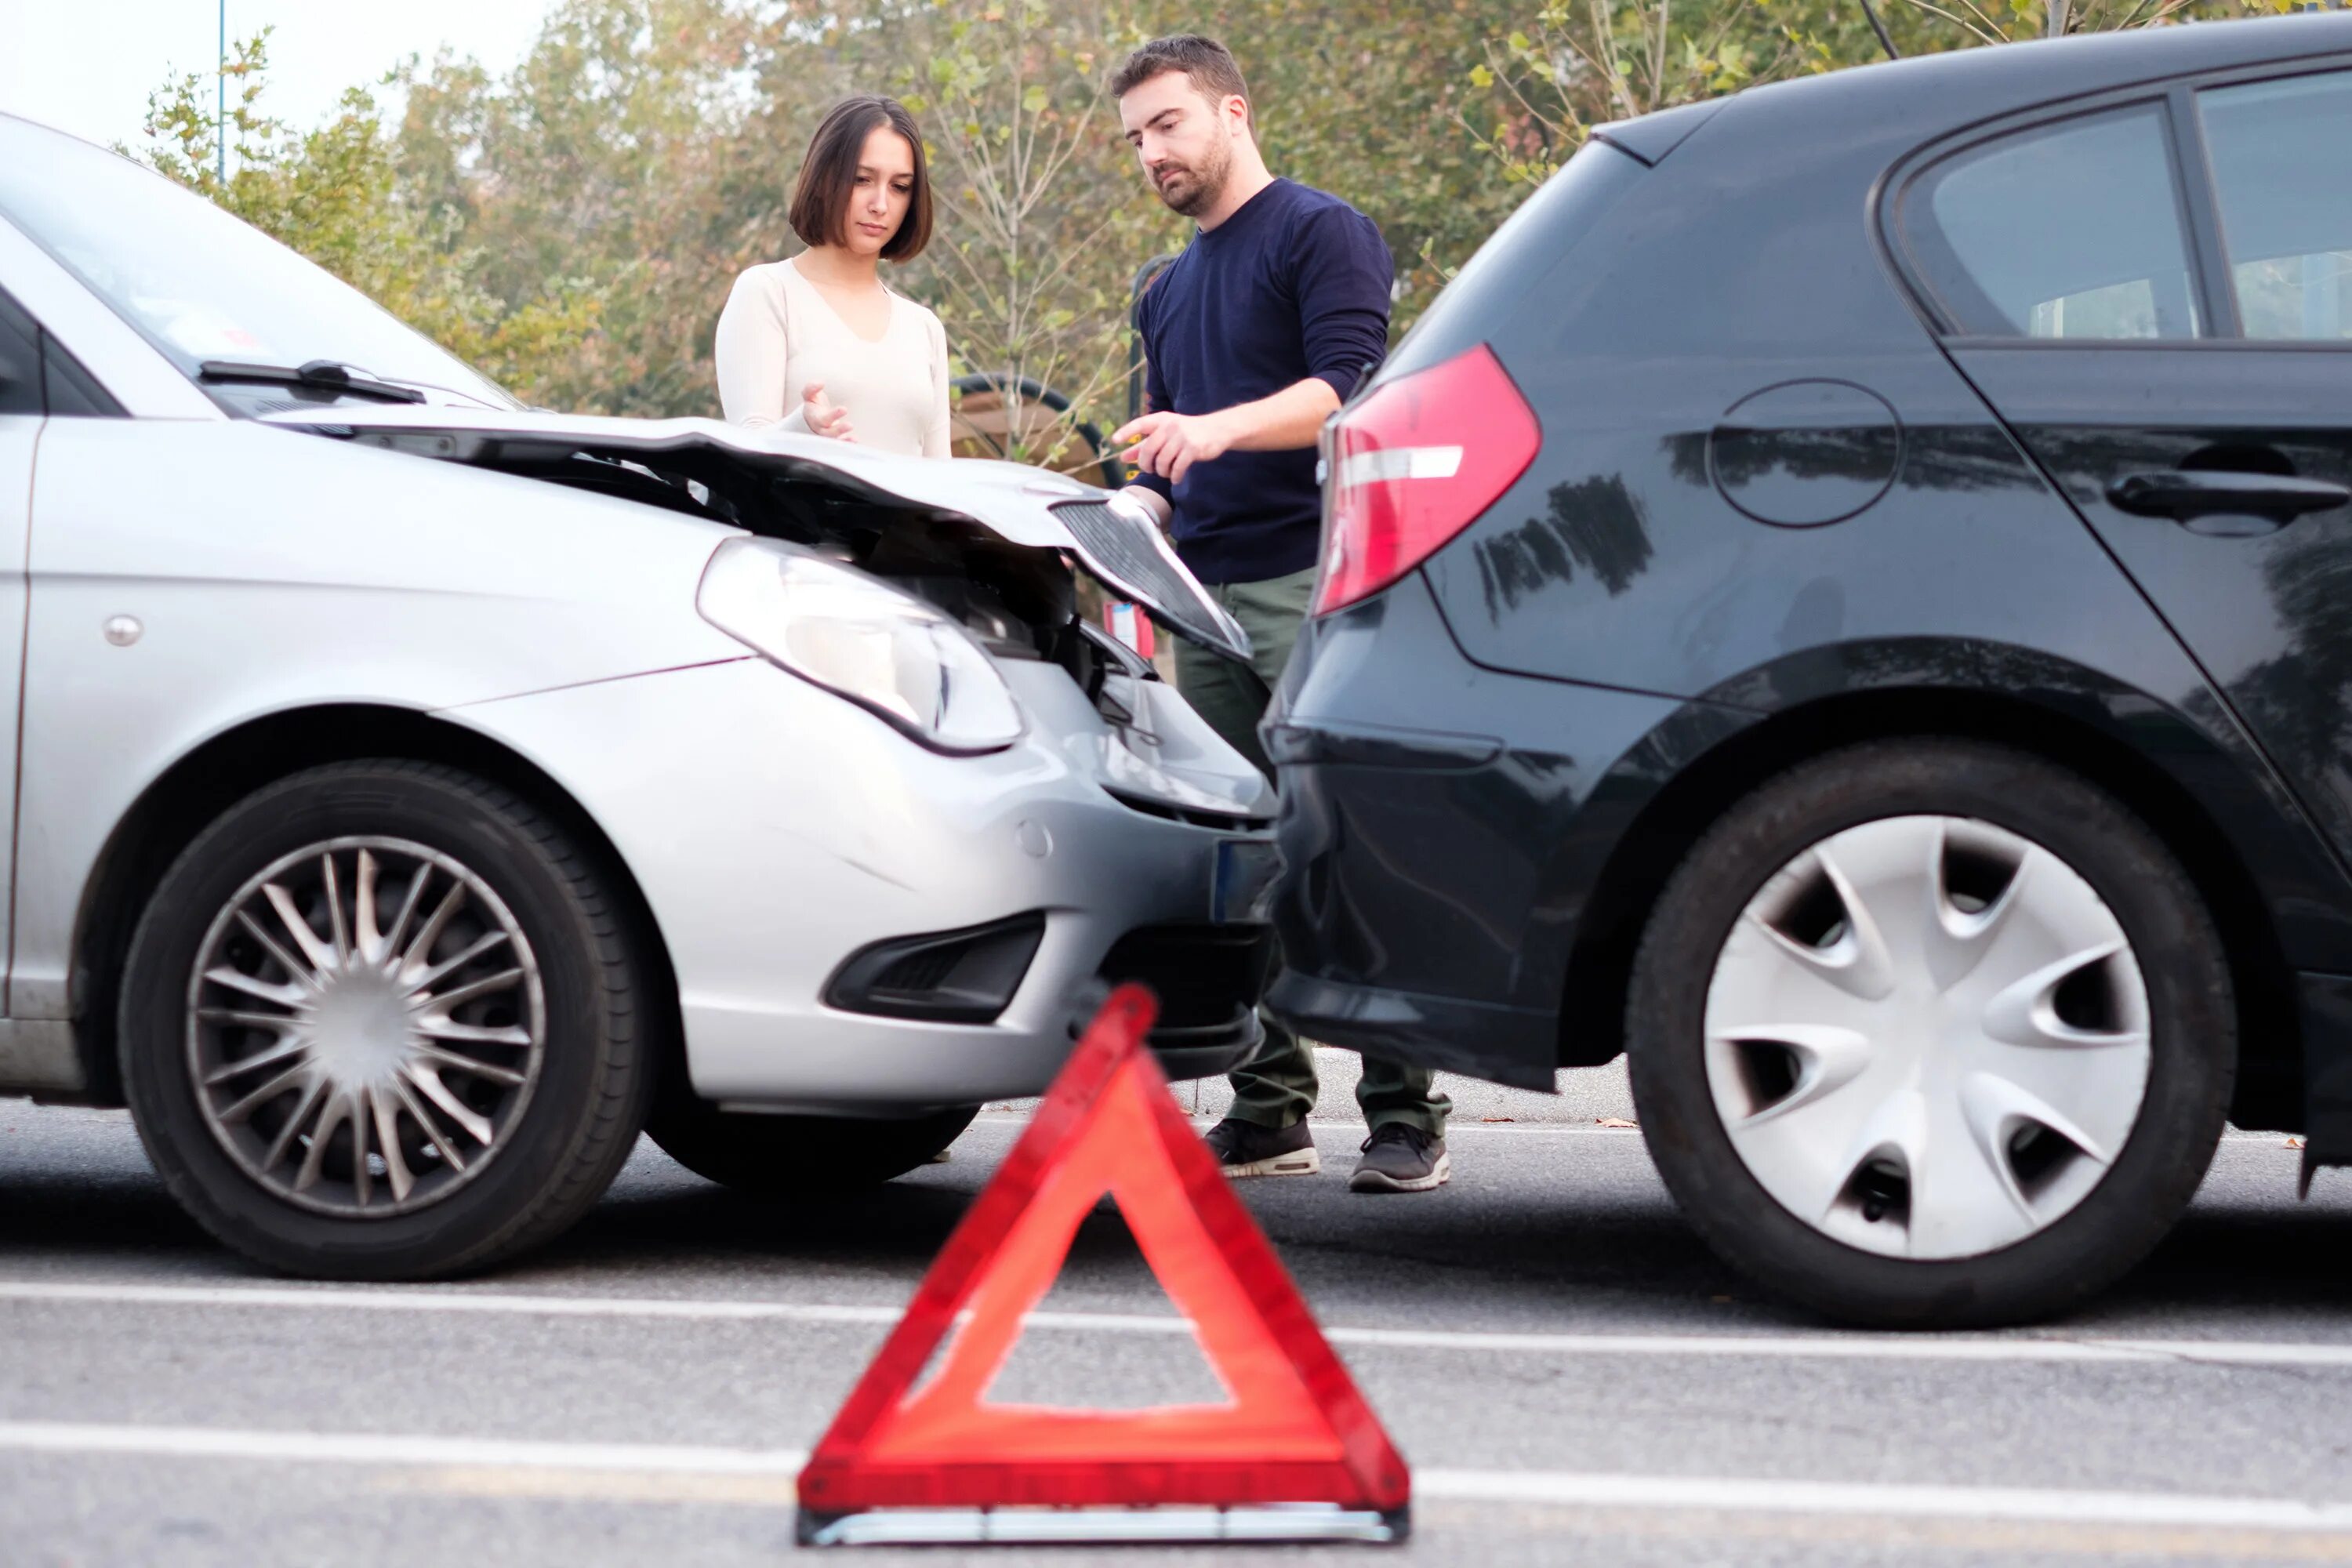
{"x": 1927, "y": 1036}
{"x": 365, "y": 1025}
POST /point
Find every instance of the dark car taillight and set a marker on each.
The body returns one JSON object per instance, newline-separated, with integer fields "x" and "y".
{"x": 1416, "y": 463}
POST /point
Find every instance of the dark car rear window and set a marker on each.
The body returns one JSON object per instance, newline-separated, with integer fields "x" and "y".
{"x": 1518, "y": 255}
{"x": 2070, "y": 230}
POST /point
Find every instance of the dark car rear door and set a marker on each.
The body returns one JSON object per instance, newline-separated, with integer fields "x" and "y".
{"x": 2156, "y": 295}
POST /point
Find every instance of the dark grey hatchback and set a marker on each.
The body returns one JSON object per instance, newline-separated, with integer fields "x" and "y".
{"x": 1848, "y": 600}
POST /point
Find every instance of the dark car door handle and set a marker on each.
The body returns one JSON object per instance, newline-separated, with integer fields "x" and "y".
{"x": 2185, "y": 494}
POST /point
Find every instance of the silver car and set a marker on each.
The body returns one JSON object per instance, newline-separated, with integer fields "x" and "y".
{"x": 415, "y": 795}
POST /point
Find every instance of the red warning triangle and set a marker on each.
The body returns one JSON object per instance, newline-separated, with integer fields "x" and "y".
{"x": 1296, "y": 1429}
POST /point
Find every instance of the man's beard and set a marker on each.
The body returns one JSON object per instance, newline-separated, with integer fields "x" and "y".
{"x": 1195, "y": 190}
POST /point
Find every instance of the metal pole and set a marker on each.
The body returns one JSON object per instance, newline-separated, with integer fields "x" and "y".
{"x": 220, "y": 132}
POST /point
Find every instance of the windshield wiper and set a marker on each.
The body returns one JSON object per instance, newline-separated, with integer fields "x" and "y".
{"x": 327, "y": 374}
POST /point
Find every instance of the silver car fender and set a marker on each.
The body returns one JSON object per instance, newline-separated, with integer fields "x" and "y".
{"x": 268, "y": 570}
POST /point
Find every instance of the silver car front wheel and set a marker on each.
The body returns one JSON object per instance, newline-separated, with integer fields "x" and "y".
{"x": 380, "y": 1020}
{"x": 365, "y": 1025}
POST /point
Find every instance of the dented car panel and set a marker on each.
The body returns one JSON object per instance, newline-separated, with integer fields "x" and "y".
{"x": 809, "y": 757}
{"x": 533, "y": 578}
{"x": 1021, "y": 504}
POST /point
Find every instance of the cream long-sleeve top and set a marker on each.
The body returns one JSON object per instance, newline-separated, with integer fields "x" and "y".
{"x": 777, "y": 333}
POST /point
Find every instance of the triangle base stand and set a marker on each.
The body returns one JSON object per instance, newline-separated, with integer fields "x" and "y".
{"x": 1104, "y": 1526}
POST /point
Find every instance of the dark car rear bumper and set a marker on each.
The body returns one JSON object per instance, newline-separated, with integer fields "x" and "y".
{"x": 1431, "y": 881}
{"x": 1447, "y": 1033}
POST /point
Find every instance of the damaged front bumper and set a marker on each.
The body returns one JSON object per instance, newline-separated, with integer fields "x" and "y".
{"x": 777, "y": 832}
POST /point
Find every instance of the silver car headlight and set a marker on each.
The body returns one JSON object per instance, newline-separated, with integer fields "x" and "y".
{"x": 860, "y": 639}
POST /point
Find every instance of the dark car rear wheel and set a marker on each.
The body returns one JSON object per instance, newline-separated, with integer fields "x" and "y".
{"x": 780, "y": 1155}
{"x": 1931, "y": 1034}
{"x": 380, "y": 1022}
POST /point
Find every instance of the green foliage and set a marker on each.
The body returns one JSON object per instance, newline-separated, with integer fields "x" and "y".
{"x": 1574, "y": 64}
{"x": 1027, "y": 266}
{"x": 336, "y": 193}
{"x": 574, "y": 226}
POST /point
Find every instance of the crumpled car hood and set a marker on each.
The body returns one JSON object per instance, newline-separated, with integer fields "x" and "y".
{"x": 1021, "y": 504}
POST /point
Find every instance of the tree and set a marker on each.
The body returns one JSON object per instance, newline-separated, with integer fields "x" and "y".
{"x": 1575, "y": 64}
{"x": 335, "y": 193}
{"x": 633, "y": 155}
{"x": 1029, "y": 261}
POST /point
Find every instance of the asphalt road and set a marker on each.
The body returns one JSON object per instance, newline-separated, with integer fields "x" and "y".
{"x": 1573, "y": 1379}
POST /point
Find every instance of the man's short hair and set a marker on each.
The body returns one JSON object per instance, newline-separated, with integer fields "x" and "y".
{"x": 820, "y": 209}
{"x": 1207, "y": 64}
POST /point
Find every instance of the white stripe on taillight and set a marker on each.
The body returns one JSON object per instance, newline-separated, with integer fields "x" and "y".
{"x": 1399, "y": 463}
{"x": 1462, "y": 428}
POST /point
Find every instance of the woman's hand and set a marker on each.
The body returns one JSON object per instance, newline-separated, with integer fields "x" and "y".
{"x": 825, "y": 417}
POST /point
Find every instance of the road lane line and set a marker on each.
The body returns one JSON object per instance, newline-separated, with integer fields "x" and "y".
{"x": 1799, "y": 1346}
{"x": 1981, "y": 1348}
{"x": 372, "y": 1448}
{"x": 1725, "y": 1494}
{"x": 496, "y": 1303}
{"x": 1882, "y": 1500}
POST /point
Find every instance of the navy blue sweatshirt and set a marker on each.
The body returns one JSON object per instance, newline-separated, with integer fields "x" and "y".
{"x": 1295, "y": 284}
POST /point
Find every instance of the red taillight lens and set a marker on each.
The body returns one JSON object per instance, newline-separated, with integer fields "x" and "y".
{"x": 1416, "y": 463}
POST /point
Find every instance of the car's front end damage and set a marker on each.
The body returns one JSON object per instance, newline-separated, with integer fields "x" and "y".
{"x": 869, "y": 907}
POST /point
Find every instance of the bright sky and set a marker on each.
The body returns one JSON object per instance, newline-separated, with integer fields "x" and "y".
{"x": 87, "y": 65}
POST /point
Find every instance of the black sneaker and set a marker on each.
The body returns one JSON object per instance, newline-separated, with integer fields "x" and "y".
{"x": 1246, "y": 1149}
{"x": 1400, "y": 1159}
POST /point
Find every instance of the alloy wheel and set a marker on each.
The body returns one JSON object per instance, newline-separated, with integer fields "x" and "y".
{"x": 365, "y": 1025}
{"x": 1928, "y": 1037}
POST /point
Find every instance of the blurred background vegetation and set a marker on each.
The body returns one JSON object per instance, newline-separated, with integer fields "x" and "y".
{"x": 572, "y": 227}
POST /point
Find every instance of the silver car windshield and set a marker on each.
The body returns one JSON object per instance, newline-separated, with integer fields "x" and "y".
{"x": 197, "y": 283}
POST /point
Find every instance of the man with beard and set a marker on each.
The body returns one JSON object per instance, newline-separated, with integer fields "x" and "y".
{"x": 1255, "y": 334}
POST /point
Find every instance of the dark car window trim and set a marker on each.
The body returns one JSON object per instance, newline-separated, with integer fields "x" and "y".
{"x": 2177, "y": 94}
{"x": 16, "y": 324}
{"x": 2137, "y": 345}
{"x": 2192, "y": 171}
{"x": 53, "y": 362}
{"x": 2190, "y": 114}
{"x": 1916, "y": 169}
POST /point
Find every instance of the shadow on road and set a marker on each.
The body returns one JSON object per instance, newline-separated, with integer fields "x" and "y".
{"x": 1534, "y": 1231}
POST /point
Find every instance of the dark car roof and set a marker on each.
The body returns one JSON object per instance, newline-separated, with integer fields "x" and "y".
{"x": 1932, "y": 92}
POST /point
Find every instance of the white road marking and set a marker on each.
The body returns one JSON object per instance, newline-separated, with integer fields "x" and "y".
{"x": 1741, "y": 1495}
{"x": 1726, "y": 1494}
{"x": 2039, "y": 1348}
{"x": 372, "y": 1448}
{"x": 496, "y": 1303}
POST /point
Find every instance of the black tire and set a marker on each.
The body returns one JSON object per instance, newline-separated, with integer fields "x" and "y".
{"x": 786, "y": 1155}
{"x": 570, "y": 1135}
{"x": 2193, "y": 1017}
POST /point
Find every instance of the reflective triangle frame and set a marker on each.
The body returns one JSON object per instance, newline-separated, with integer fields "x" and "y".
{"x": 1296, "y": 1437}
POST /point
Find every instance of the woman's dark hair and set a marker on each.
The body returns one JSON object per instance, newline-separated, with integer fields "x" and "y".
{"x": 820, "y": 208}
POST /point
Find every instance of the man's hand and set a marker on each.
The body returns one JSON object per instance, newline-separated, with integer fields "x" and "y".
{"x": 825, "y": 417}
{"x": 1169, "y": 443}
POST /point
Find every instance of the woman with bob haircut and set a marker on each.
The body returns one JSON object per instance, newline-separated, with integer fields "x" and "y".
{"x": 818, "y": 342}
